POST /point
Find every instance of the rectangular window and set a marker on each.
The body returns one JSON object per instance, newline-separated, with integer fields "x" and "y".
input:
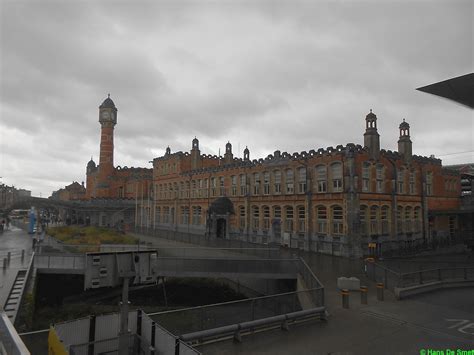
{"x": 321, "y": 178}
{"x": 322, "y": 220}
{"x": 336, "y": 170}
{"x": 266, "y": 183}
{"x": 384, "y": 219}
{"x": 256, "y": 184}
{"x": 277, "y": 182}
{"x": 429, "y": 184}
{"x": 412, "y": 183}
{"x": 221, "y": 186}
{"x": 233, "y": 185}
{"x": 365, "y": 185}
{"x": 302, "y": 181}
{"x": 289, "y": 182}
{"x": 242, "y": 218}
{"x": 337, "y": 221}
{"x": 243, "y": 185}
{"x": 400, "y": 179}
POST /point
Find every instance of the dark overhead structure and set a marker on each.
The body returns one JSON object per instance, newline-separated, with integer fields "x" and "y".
{"x": 459, "y": 89}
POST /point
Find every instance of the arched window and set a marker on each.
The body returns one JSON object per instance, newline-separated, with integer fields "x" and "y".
{"x": 417, "y": 219}
{"x": 289, "y": 215}
{"x": 400, "y": 219}
{"x": 337, "y": 220}
{"x": 374, "y": 223}
{"x": 158, "y": 215}
{"x": 242, "y": 218}
{"x": 255, "y": 218}
{"x": 301, "y": 219}
{"x": 321, "y": 219}
{"x": 197, "y": 215}
{"x": 277, "y": 182}
{"x": 336, "y": 173}
{"x": 277, "y": 212}
{"x": 289, "y": 182}
{"x": 184, "y": 215}
{"x": 363, "y": 220}
{"x": 266, "y": 218}
{"x": 321, "y": 178}
{"x": 385, "y": 218}
{"x": 408, "y": 220}
{"x": 166, "y": 214}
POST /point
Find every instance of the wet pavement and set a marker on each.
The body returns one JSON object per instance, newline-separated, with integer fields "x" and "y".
{"x": 13, "y": 240}
{"x": 438, "y": 320}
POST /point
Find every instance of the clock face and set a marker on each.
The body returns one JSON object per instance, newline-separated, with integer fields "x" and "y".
{"x": 105, "y": 114}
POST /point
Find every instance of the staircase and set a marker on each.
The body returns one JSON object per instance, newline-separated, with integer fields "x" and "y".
{"x": 14, "y": 298}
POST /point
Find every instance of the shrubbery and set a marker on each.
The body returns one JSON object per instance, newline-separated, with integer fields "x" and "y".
{"x": 89, "y": 235}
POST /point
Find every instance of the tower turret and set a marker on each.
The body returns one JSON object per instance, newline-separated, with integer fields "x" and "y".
{"x": 195, "y": 154}
{"x": 371, "y": 136}
{"x": 246, "y": 154}
{"x": 404, "y": 142}
{"x": 228, "y": 156}
{"x": 108, "y": 120}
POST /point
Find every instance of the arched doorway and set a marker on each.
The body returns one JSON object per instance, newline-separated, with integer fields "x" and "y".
{"x": 221, "y": 226}
{"x": 218, "y": 218}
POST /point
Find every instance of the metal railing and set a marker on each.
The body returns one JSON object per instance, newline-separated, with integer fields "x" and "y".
{"x": 10, "y": 341}
{"x": 312, "y": 283}
{"x": 194, "y": 319}
{"x": 392, "y": 279}
{"x": 432, "y": 275}
{"x": 219, "y": 267}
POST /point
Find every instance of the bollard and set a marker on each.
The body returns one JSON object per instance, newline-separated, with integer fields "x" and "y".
{"x": 23, "y": 255}
{"x": 363, "y": 294}
{"x": 5, "y": 263}
{"x": 9, "y": 256}
{"x": 380, "y": 291}
{"x": 345, "y": 298}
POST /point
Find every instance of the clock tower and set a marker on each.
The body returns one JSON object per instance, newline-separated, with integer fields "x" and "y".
{"x": 108, "y": 120}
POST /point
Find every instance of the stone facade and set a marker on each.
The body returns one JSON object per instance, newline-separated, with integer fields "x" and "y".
{"x": 340, "y": 200}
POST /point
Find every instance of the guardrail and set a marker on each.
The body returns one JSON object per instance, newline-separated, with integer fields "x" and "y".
{"x": 200, "y": 318}
{"x": 10, "y": 341}
{"x": 236, "y": 330}
{"x": 219, "y": 267}
{"x": 392, "y": 279}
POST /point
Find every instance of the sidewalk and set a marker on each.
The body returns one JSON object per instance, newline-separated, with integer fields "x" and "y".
{"x": 13, "y": 240}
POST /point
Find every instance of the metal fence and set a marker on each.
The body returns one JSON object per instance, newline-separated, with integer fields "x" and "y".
{"x": 219, "y": 267}
{"x": 10, "y": 341}
{"x": 392, "y": 279}
{"x": 192, "y": 238}
{"x": 433, "y": 275}
{"x": 194, "y": 319}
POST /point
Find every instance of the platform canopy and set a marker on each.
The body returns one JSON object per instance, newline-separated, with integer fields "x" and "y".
{"x": 459, "y": 89}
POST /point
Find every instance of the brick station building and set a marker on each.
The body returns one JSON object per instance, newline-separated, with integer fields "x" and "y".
{"x": 341, "y": 200}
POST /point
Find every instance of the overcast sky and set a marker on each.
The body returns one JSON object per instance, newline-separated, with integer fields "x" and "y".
{"x": 269, "y": 75}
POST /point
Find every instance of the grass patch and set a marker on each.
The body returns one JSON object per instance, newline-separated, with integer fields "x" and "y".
{"x": 90, "y": 235}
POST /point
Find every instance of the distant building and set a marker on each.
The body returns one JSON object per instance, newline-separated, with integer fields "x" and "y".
{"x": 9, "y": 195}
{"x": 72, "y": 192}
{"x": 339, "y": 200}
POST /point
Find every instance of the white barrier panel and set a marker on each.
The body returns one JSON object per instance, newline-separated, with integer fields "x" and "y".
{"x": 75, "y": 332}
{"x": 107, "y": 326}
{"x": 165, "y": 342}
